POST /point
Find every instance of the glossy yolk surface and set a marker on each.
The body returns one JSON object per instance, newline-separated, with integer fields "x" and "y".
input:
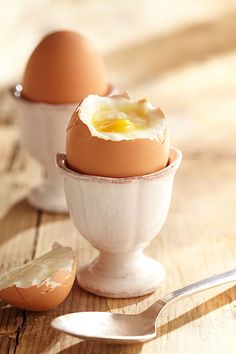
{"x": 117, "y": 121}
{"x": 115, "y": 125}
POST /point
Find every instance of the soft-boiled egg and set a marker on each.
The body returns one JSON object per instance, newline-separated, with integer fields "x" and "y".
{"x": 117, "y": 137}
{"x": 64, "y": 68}
{"x": 41, "y": 284}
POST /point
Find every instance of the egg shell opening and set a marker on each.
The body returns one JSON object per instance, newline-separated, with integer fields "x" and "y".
{"x": 126, "y": 158}
{"x": 64, "y": 68}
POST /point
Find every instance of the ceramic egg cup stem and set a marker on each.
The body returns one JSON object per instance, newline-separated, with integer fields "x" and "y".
{"x": 120, "y": 217}
{"x": 114, "y": 274}
{"x": 50, "y": 195}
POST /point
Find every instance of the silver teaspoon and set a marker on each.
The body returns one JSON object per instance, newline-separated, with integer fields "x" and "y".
{"x": 140, "y": 327}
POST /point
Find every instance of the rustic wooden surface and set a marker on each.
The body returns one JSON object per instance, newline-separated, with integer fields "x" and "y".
{"x": 185, "y": 61}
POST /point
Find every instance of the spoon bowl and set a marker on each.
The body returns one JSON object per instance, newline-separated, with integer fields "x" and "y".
{"x": 107, "y": 326}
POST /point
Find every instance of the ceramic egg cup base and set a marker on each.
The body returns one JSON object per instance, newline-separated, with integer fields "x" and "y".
{"x": 117, "y": 275}
{"x": 48, "y": 199}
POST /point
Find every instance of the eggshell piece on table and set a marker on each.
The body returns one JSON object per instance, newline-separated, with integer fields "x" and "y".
{"x": 41, "y": 284}
{"x": 64, "y": 68}
{"x": 117, "y": 154}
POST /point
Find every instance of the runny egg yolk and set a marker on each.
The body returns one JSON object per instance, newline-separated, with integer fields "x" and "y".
{"x": 115, "y": 125}
{"x": 120, "y": 119}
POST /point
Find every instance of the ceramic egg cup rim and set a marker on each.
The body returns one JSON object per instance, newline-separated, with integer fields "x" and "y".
{"x": 48, "y": 105}
{"x": 172, "y": 166}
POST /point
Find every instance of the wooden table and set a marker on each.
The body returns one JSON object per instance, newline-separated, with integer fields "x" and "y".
{"x": 197, "y": 91}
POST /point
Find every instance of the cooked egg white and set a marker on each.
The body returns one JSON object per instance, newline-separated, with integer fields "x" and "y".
{"x": 122, "y": 119}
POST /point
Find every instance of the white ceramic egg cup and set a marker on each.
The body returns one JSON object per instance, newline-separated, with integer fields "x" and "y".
{"x": 120, "y": 217}
{"x": 42, "y": 128}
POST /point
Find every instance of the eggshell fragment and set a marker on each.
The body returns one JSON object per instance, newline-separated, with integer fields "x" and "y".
{"x": 58, "y": 269}
{"x": 64, "y": 68}
{"x": 92, "y": 155}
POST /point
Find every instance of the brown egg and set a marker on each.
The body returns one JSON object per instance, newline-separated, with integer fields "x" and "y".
{"x": 41, "y": 284}
{"x": 117, "y": 137}
{"x": 64, "y": 68}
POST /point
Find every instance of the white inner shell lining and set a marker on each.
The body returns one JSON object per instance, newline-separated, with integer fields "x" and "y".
{"x": 40, "y": 269}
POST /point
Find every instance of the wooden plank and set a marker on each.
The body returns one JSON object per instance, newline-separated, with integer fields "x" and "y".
{"x": 8, "y": 345}
{"x": 18, "y": 219}
{"x": 18, "y": 226}
{"x": 19, "y": 173}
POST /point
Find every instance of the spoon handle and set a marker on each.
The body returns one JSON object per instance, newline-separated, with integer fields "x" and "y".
{"x": 201, "y": 285}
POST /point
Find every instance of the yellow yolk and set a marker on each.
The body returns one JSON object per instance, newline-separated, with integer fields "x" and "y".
{"x": 119, "y": 121}
{"x": 114, "y": 125}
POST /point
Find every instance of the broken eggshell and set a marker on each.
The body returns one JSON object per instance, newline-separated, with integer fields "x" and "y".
{"x": 58, "y": 268}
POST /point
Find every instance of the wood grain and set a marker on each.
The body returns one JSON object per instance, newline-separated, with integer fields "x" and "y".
{"x": 196, "y": 88}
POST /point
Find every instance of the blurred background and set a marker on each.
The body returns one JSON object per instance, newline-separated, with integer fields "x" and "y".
{"x": 179, "y": 53}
